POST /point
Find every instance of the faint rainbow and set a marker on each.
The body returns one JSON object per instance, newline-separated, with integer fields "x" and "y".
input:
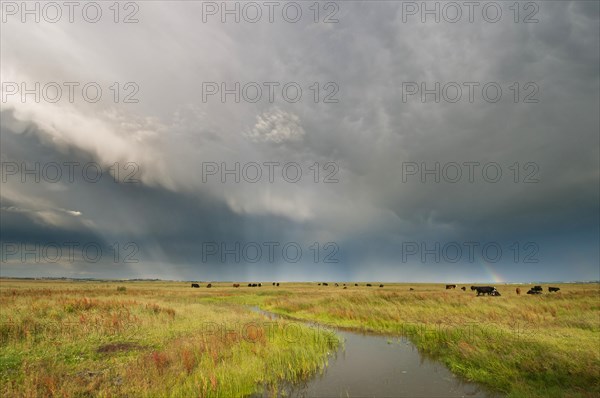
{"x": 488, "y": 269}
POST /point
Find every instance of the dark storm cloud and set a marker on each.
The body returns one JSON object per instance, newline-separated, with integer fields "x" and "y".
{"x": 371, "y": 134}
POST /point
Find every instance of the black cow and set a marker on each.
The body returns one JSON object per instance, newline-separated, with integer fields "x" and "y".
{"x": 325, "y": 284}
{"x": 489, "y": 290}
{"x": 273, "y": 283}
{"x": 195, "y": 285}
{"x": 277, "y": 283}
{"x": 537, "y": 288}
{"x": 345, "y": 287}
{"x": 450, "y": 287}
{"x": 463, "y": 288}
{"x": 531, "y": 291}
{"x": 336, "y": 284}
{"x": 319, "y": 284}
{"x": 553, "y": 289}
{"x": 473, "y": 287}
{"x": 254, "y": 285}
{"x": 209, "y": 285}
{"x": 249, "y": 284}
{"x": 411, "y": 289}
{"x": 368, "y": 285}
{"x": 260, "y": 285}
{"x": 380, "y": 285}
{"x": 356, "y": 284}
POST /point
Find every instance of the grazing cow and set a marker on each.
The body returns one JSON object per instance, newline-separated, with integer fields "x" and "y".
{"x": 380, "y": 285}
{"x": 325, "y": 284}
{"x": 356, "y": 284}
{"x": 249, "y": 284}
{"x": 236, "y": 285}
{"x": 345, "y": 287}
{"x": 518, "y": 290}
{"x": 537, "y": 288}
{"x": 319, "y": 284}
{"x": 254, "y": 285}
{"x": 209, "y": 285}
{"x": 531, "y": 291}
{"x": 473, "y": 287}
{"x": 195, "y": 285}
{"x": 489, "y": 290}
{"x": 260, "y": 285}
{"x": 368, "y": 285}
{"x": 450, "y": 287}
{"x": 411, "y": 289}
{"x": 277, "y": 284}
{"x": 553, "y": 289}
{"x": 463, "y": 288}
{"x": 336, "y": 284}
{"x": 273, "y": 283}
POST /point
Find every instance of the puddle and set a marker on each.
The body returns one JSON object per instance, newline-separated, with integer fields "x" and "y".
{"x": 379, "y": 366}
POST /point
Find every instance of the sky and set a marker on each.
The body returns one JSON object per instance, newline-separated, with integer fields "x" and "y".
{"x": 348, "y": 141}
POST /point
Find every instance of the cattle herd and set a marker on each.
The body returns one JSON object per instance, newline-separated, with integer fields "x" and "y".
{"x": 480, "y": 290}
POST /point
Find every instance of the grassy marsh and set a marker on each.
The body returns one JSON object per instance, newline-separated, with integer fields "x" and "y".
{"x": 167, "y": 339}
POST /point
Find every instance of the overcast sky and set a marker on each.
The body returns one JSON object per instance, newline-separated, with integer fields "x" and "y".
{"x": 360, "y": 135}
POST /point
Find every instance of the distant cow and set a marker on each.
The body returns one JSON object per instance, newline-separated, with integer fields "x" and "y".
{"x": 537, "y": 288}
{"x": 260, "y": 285}
{"x": 553, "y": 289}
{"x": 380, "y": 285}
{"x": 473, "y": 287}
{"x": 356, "y": 284}
{"x": 249, "y": 284}
{"x": 463, "y": 288}
{"x": 411, "y": 289}
{"x": 450, "y": 287}
{"x": 254, "y": 285}
{"x": 236, "y": 285}
{"x": 319, "y": 284}
{"x": 336, "y": 284}
{"x": 489, "y": 290}
{"x": 531, "y": 291}
{"x": 325, "y": 284}
{"x": 368, "y": 285}
{"x": 195, "y": 285}
{"x": 345, "y": 287}
{"x": 518, "y": 290}
{"x": 273, "y": 283}
{"x": 209, "y": 285}
{"x": 277, "y": 284}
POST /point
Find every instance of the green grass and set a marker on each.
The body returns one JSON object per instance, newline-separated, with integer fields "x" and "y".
{"x": 158, "y": 338}
{"x": 84, "y": 339}
{"x": 520, "y": 345}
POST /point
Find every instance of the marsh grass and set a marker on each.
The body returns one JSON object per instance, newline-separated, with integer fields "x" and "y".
{"x": 520, "y": 345}
{"x": 151, "y": 339}
{"x": 166, "y": 339}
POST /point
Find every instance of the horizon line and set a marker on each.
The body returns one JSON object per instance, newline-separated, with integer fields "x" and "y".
{"x": 280, "y": 281}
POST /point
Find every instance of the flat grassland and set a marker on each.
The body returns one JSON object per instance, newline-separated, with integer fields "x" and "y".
{"x": 64, "y": 338}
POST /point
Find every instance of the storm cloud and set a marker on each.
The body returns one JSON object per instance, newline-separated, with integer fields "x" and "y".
{"x": 368, "y": 176}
